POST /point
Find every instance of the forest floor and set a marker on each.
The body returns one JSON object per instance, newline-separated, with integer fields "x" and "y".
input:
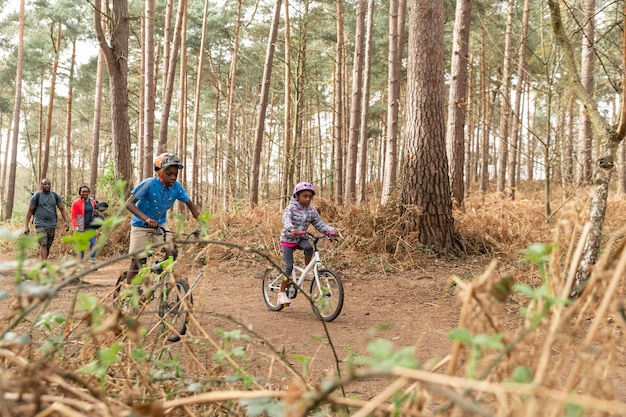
{"x": 393, "y": 291}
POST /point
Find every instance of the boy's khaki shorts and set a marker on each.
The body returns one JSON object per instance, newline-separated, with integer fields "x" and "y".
{"x": 141, "y": 238}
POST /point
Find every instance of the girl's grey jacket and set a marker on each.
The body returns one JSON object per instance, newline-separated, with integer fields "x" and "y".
{"x": 296, "y": 216}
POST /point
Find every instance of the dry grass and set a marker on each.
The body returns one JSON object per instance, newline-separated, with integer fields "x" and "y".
{"x": 572, "y": 355}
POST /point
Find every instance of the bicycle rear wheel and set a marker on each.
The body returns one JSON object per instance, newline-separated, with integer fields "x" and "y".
{"x": 327, "y": 301}
{"x": 175, "y": 302}
{"x": 271, "y": 286}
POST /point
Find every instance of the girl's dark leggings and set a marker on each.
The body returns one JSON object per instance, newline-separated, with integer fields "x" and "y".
{"x": 288, "y": 254}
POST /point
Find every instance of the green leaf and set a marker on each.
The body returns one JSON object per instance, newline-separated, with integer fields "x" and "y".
{"x": 462, "y": 335}
{"x": 522, "y": 375}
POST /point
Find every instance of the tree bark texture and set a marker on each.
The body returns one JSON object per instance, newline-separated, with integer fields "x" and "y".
{"x": 116, "y": 54}
{"x": 457, "y": 100}
{"x": 355, "y": 107}
{"x": 263, "y": 100}
{"x": 426, "y": 201}
{"x": 587, "y": 63}
{"x": 16, "y": 114}
{"x": 505, "y": 101}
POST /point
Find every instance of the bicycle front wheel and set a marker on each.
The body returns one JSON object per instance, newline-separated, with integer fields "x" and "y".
{"x": 327, "y": 295}
{"x": 174, "y": 305}
{"x": 271, "y": 286}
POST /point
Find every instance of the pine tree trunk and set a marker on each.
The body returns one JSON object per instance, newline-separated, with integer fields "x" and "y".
{"x": 393, "y": 79}
{"x": 68, "y": 123}
{"x": 149, "y": 91}
{"x": 355, "y": 106}
{"x": 195, "y": 192}
{"x": 55, "y": 66}
{"x": 505, "y": 101}
{"x": 426, "y": 201}
{"x": 457, "y": 99}
{"x": 116, "y": 55}
{"x": 16, "y": 114}
{"x": 338, "y": 110}
{"x": 365, "y": 104}
{"x": 171, "y": 75}
{"x": 587, "y": 63}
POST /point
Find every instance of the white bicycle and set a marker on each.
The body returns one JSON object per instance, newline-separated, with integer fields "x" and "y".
{"x": 326, "y": 289}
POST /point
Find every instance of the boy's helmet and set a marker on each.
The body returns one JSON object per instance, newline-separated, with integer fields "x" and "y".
{"x": 302, "y": 186}
{"x": 166, "y": 159}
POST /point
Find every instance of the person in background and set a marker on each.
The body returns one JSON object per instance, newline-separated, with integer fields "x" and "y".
{"x": 42, "y": 207}
{"x": 297, "y": 217}
{"x": 149, "y": 203}
{"x": 83, "y": 211}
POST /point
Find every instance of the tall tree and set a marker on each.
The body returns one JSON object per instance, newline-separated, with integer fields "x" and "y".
{"x": 195, "y": 192}
{"x": 365, "y": 103}
{"x": 608, "y": 138}
{"x": 97, "y": 122}
{"x": 43, "y": 169}
{"x": 519, "y": 88}
{"x": 393, "y": 79}
{"x": 425, "y": 197}
{"x": 171, "y": 75}
{"x": 229, "y": 181}
{"x": 116, "y": 55}
{"x": 355, "y": 106}
{"x": 68, "y": 123}
{"x": 338, "y": 110}
{"x": 457, "y": 99}
{"x": 149, "y": 90}
{"x": 17, "y": 104}
{"x": 263, "y": 100}
{"x": 505, "y": 100}
{"x": 587, "y": 63}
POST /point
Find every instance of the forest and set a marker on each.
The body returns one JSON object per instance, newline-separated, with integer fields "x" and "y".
{"x": 468, "y": 150}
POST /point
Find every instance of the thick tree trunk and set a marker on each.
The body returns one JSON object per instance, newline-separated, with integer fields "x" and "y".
{"x": 426, "y": 201}
{"x": 116, "y": 55}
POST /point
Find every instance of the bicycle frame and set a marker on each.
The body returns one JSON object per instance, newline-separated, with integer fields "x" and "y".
{"x": 325, "y": 291}
{"x": 314, "y": 265}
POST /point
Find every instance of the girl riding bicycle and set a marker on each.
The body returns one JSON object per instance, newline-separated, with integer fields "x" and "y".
{"x": 297, "y": 217}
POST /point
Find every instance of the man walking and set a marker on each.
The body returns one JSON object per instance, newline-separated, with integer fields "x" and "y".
{"x": 42, "y": 207}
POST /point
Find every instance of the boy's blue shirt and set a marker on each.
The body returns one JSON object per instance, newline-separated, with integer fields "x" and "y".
{"x": 154, "y": 199}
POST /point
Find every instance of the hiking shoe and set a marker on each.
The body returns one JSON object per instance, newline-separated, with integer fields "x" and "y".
{"x": 283, "y": 299}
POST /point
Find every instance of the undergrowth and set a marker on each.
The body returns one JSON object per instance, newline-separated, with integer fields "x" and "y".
{"x": 99, "y": 358}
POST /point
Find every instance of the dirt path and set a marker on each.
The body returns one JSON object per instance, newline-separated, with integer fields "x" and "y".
{"x": 414, "y": 308}
{"x": 408, "y": 309}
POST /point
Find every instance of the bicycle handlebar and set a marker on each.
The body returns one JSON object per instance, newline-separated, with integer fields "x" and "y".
{"x": 329, "y": 236}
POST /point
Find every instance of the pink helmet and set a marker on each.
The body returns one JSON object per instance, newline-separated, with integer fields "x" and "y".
{"x": 302, "y": 186}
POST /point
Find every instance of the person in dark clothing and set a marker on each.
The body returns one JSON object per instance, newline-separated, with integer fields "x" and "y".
{"x": 42, "y": 207}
